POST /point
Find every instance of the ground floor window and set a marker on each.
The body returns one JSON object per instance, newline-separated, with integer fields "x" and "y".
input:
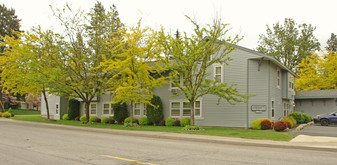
{"x": 183, "y": 109}
{"x": 93, "y": 108}
{"x": 139, "y": 109}
{"x": 286, "y": 109}
{"x": 107, "y": 109}
{"x": 272, "y": 108}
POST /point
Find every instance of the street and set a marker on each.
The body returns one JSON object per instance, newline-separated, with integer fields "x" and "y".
{"x": 32, "y": 143}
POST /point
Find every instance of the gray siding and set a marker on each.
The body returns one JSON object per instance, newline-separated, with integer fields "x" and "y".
{"x": 315, "y": 107}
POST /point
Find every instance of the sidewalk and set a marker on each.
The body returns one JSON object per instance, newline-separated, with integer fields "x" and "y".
{"x": 300, "y": 142}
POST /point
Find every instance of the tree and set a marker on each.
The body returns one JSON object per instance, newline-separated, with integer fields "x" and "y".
{"x": 288, "y": 43}
{"x": 73, "y": 108}
{"x": 155, "y": 113}
{"x": 137, "y": 66}
{"x": 9, "y": 22}
{"x": 317, "y": 72}
{"x": 332, "y": 43}
{"x": 193, "y": 56}
{"x": 87, "y": 47}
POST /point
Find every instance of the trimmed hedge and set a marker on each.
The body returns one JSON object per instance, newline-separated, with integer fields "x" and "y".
{"x": 83, "y": 118}
{"x": 185, "y": 121}
{"x": 291, "y": 120}
{"x": 73, "y": 108}
{"x": 280, "y": 126}
{"x": 298, "y": 117}
{"x": 128, "y": 120}
{"x": 266, "y": 124}
{"x": 143, "y": 121}
{"x": 65, "y": 117}
{"x": 6, "y": 115}
{"x": 170, "y": 122}
{"x": 120, "y": 112}
{"x": 155, "y": 114}
{"x": 256, "y": 124}
{"x": 307, "y": 118}
{"x": 105, "y": 120}
{"x": 93, "y": 118}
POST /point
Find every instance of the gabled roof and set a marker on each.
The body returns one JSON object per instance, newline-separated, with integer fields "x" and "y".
{"x": 266, "y": 57}
{"x": 316, "y": 94}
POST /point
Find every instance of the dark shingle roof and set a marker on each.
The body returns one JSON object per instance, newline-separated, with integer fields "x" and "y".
{"x": 316, "y": 94}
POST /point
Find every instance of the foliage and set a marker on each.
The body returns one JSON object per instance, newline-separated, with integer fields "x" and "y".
{"x": 130, "y": 125}
{"x": 332, "y": 44}
{"x": 128, "y": 120}
{"x": 93, "y": 118}
{"x": 111, "y": 121}
{"x": 193, "y": 56}
{"x": 289, "y": 43}
{"x": 298, "y": 117}
{"x": 185, "y": 121}
{"x": 170, "y": 122}
{"x": 256, "y": 124}
{"x": 317, "y": 72}
{"x": 83, "y": 118}
{"x": 73, "y": 108}
{"x": 177, "y": 123}
{"x": 6, "y": 114}
{"x": 162, "y": 123}
{"x": 65, "y": 117}
{"x": 9, "y": 21}
{"x": 280, "y": 126}
{"x": 0, "y": 114}
{"x": 192, "y": 128}
{"x": 105, "y": 120}
{"x": 137, "y": 66}
{"x": 143, "y": 121}
{"x": 291, "y": 120}
{"x": 307, "y": 118}
{"x": 266, "y": 124}
{"x": 155, "y": 113}
{"x": 120, "y": 112}
{"x": 11, "y": 112}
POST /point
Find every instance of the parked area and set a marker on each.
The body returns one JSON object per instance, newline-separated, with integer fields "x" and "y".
{"x": 318, "y": 130}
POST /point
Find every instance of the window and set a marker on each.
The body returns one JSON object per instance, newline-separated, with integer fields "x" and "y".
{"x": 57, "y": 108}
{"x": 107, "y": 109}
{"x": 291, "y": 82}
{"x": 175, "y": 109}
{"x": 144, "y": 110}
{"x": 218, "y": 73}
{"x": 183, "y": 109}
{"x": 286, "y": 108}
{"x": 93, "y": 108}
{"x": 278, "y": 78}
{"x": 137, "y": 109}
{"x": 272, "y": 108}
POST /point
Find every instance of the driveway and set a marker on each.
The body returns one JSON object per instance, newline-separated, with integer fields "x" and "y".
{"x": 317, "y": 130}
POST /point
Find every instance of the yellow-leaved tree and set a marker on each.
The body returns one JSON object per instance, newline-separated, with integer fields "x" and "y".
{"x": 317, "y": 72}
{"x": 138, "y": 67}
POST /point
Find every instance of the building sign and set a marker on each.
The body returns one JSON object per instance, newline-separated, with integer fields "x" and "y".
{"x": 259, "y": 107}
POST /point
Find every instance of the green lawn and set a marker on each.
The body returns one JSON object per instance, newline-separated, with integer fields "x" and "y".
{"x": 25, "y": 112}
{"x": 228, "y": 132}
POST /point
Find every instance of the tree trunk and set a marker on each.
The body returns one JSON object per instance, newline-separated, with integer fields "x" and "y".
{"x": 46, "y": 101}
{"x": 87, "y": 103}
{"x": 192, "y": 113}
{"x": 131, "y": 112}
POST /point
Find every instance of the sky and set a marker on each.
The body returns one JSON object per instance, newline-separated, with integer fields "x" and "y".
{"x": 247, "y": 18}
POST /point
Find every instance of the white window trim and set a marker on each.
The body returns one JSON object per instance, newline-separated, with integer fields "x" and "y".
{"x": 141, "y": 109}
{"x": 57, "y": 108}
{"x": 221, "y": 74}
{"x": 110, "y": 109}
{"x": 278, "y": 78}
{"x": 181, "y": 82}
{"x": 90, "y": 110}
{"x": 181, "y": 101}
{"x": 272, "y": 108}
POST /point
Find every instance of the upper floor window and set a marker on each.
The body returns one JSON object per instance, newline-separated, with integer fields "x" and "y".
{"x": 278, "y": 78}
{"x": 177, "y": 80}
{"x": 218, "y": 73}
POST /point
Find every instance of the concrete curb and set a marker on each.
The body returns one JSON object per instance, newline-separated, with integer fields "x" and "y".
{"x": 294, "y": 144}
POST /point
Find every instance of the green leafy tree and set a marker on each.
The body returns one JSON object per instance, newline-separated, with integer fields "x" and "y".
{"x": 192, "y": 57}
{"x": 138, "y": 67}
{"x": 87, "y": 47}
{"x": 289, "y": 43}
{"x": 155, "y": 113}
{"x": 120, "y": 112}
{"x": 332, "y": 43}
{"x": 73, "y": 108}
{"x": 317, "y": 72}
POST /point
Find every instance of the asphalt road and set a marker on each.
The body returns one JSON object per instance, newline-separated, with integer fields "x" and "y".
{"x": 29, "y": 144}
{"x": 318, "y": 130}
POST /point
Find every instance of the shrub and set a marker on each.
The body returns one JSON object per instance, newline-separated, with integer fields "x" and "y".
{"x": 185, "y": 121}
{"x": 291, "y": 120}
{"x": 177, "y": 123}
{"x": 105, "y": 120}
{"x": 77, "y": 118}
{"x": 93, "y": 118}
{"x": 155, "y": 114}
{"x": 65, "y": 117}
{"x": 191, "y": 128}
{"x": 143, "y": 121}
{"x": 266, "y": 124}
{"x": 0, "y": 114}
{"x": 280, "y": 126}
{"x": 170, "y": 122}
{"x": 83, "y": 118}
{"x": 11, "y": 112}
{"x": 256, "y": 124}
{"x": 162, "y": 123}
{"x": 307, "y": 118}
{"x": 288, "y": 124}
{"x": 128, "y": 120}
{"x": 111, "y": 121}
{"x": 73, "y": 108}
{"x": 298, "y": 117}
{"x": 6, "y": 115}
{"x": 130, "y": 125}
{"x": 120, "y": 112}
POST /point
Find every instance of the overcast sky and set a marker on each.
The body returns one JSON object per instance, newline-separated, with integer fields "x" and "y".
{"x": 246, "y": 17}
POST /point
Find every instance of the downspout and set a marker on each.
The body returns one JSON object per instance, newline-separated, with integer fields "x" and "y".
{"x": 247, "y": 119}
{"x": 268, "y": 110}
